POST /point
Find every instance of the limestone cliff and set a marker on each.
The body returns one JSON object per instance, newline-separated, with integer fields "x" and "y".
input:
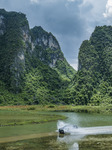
{"x": 12, "y": 48}
{"x": 23, "y": 49}
{"x": 94, "y": 77}
{"x": 47, "y": 49}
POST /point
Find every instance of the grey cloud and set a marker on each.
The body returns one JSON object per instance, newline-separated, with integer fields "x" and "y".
{"x": 61, "y": 19}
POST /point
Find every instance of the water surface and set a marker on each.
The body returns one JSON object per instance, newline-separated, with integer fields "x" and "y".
{"x": 94, "y": 132}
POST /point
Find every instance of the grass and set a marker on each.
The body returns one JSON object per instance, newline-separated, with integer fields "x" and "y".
{"x": 92, "y": 142}
{"x": 13, "y": 117}
{"x": 84, "y": 109}
{"x": 96, "y": 142}
{"x": 21, "y": 115}
{"x": 73, "y": 108}
{"x": 44, "y": 143}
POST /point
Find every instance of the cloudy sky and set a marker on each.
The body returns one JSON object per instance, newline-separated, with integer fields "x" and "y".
{"x": 71, "y": 21}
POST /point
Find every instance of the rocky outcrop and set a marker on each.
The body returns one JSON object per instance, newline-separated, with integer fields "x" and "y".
{"x": 50, "y": 49}
{"x": 47, "y": 49}
{"x": 94, "y": 79}
{"x": 20, "y": 46}
{"x": 2, "y": 25}
{"x": 96, "y": 54}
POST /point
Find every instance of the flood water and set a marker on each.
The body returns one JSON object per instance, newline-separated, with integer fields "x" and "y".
{"x": 94, "y": 132}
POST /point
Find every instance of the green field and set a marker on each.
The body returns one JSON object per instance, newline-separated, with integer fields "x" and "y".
{"x": 36, "y": 114}
{"x": 25, "y": 126}
{"x": 22, "y": 115}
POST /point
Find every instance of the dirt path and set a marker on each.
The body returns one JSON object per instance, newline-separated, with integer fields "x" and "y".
{"x": 25, "y": 137}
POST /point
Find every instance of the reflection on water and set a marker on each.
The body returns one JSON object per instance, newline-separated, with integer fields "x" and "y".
{"x": 75, "y": 146}
{"x": 70, "y": 140}
{"x": 91, "y": 142}
{"x": 72, "y": 130}
{"x": 43, "y": 143}
{"x": 94, "y": 132}
{"x": 76, "y": 134}
{"x": 96, "y": 142}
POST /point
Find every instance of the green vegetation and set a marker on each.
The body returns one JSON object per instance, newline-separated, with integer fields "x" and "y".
{"x": 49, "y": 52}
{"x": 45, "y": 142}
{"x": 98, "y": 142}
{"x": 93, "y": 82}
{"x": 9, "y": 98}
{"x": 33, "y": 69}
{"x": 23, "y": 115}
{"x": 43, "y": 85}
{"x": 57, "y": 108}
{"x": 84, "y": 109}
{"x": 11, "y": 43}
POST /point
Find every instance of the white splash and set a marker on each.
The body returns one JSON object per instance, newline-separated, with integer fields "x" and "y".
{"x": 72, "y": 130}
{"x": 76, "y": 134}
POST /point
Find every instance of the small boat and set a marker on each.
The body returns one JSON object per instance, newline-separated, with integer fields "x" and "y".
{"x": 67, "y": 129}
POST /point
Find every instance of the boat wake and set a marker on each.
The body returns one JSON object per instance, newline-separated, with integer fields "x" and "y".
{"x": 74, "y": 130}
{"x": 72, "y": 134}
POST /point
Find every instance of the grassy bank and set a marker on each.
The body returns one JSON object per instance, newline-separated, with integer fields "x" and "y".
{"x": 84, "y": 109}
{"x": 95, "y": 142}
{"x": 64, "y": 108}
{"x": 18, "y": 122}
{"x": 22, "y": 115}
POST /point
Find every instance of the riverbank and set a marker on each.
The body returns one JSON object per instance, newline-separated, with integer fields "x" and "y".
{"x": 33, "y": 135}
{"x": 83, "y": 109}
{"x": 41, "y": 142}
{"x": 61, "y": 108}
{"x": 71, "y": 108}
{"x": 65, "y": 108}
{"x": 23, "y": 115}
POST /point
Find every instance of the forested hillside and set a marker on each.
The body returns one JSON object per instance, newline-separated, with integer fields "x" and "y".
{"x": 93, "y": 82}
{"x": 33, "y": 69}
